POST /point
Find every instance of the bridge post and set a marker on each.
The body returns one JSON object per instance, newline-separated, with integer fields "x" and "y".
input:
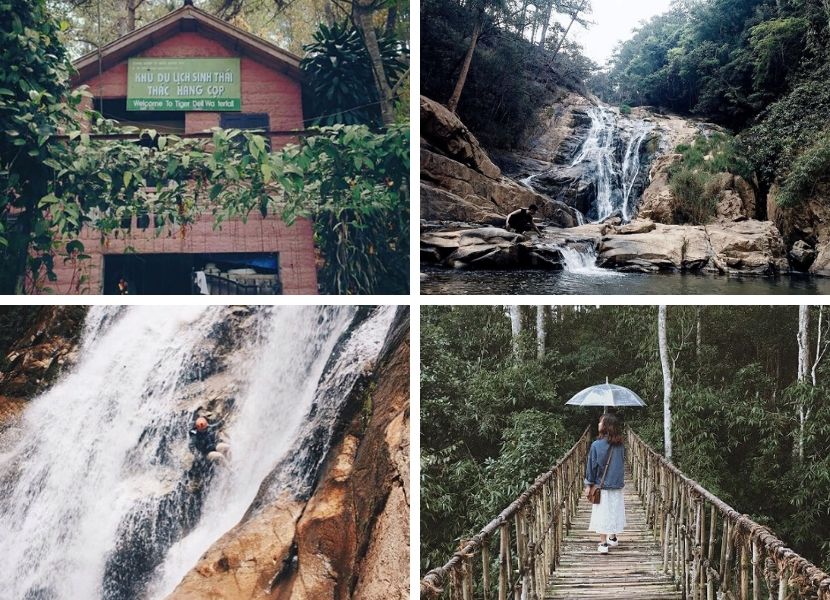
{"x": 485, "y": 569}
{"x": 710, "y": 580}
{"x": 745, "y": 570}
{"x": 504, "y": 560}
{"x": 756, "y": 570}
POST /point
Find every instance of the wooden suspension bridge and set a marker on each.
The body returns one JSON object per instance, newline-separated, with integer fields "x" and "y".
{"x": 681, "y": 542}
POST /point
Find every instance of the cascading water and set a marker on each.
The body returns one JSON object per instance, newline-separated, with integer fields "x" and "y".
{"x": 614, "y": 179}
{"x": 598, "y": 151}
{"x": 100, "y": 496}
{"x": 583, "y": 261}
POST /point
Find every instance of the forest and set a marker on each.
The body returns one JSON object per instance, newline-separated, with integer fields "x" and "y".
{"x": 750, "y": 420}
{"x": 500, "y": 61}
{"x": 348, "y": 174}
{"x": 757, "y": 67}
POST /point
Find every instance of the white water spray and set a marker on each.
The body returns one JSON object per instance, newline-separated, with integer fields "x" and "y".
{"x": 101, "y": 465}
{"x": 583, "y": 261}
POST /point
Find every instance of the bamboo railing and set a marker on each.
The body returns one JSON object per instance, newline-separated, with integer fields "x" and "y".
{"x": 711, "y": 550}
{"x": 530, "y": 533}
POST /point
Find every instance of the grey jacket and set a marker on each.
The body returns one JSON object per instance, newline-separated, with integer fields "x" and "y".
{"x": 596, "y": 465}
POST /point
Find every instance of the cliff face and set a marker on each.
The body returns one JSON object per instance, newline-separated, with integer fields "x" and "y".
{"x": 350, "y": 537}
{"x": 38, "y": 341}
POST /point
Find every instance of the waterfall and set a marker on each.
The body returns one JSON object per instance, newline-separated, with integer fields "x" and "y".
{"x": 583, "y": 261}
{"x": 613, "y": 179}
{"x": 631, "y": 164}
{"x": 100, "y": 495}
{"x": 598, "y": 150}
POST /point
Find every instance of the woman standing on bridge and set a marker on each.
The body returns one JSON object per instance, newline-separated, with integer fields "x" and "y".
{"x": 604, "y": 475}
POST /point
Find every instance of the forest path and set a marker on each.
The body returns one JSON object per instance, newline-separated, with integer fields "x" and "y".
{"x": 631, "y": 570}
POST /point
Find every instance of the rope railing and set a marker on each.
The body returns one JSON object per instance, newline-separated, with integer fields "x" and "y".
{"x": 711, "y": 550}
{"x": 530, "y": 533}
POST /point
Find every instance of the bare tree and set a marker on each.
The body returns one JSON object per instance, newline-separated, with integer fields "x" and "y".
{"x": 821, "y": 345}
{"x": 803, "y": 369}
{"x": 515, "y": 328}
{"x": 664, "y": 363}
{"x": 540, "y": 332}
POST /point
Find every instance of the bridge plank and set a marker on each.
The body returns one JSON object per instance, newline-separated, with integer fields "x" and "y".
{"x": 631, "y": 570}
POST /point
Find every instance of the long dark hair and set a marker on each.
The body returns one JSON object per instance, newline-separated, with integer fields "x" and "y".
{"x": 610, "y": 428}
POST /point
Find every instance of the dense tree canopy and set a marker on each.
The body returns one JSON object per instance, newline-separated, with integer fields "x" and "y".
{"x": 758, "y": 67}
{"x": 490, "y": 423}
{"x": 522, "y": 60}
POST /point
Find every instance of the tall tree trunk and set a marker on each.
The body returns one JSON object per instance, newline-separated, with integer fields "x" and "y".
{"x": 515, "y": 328}
{"x": 803, "y": 368}
{"x": 574, "y": 16}
{"x": 545, "y": 24}
{"x": 452, "y": 105}
{"x": 664, "y": 363}
{"x": 819, "y": 350}
{"x": 540, "y": 332}
{"x": 391, "y": 19}
{"x": 362, "y": 17}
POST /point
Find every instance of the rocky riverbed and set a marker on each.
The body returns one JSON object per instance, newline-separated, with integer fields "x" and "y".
{"x": 564, "y": 169}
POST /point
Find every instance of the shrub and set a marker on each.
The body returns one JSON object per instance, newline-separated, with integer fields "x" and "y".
{"x": 695, "y": 194}
{"x": 625, "y": 109}
{"x": 808, "y": 169}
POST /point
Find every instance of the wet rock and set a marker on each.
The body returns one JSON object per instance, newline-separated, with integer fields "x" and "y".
{"x": 350, "y": 538}
{"x": 636, "y": 226}
{"x": 802, "y": 256}
{"x": 572, "y": 186}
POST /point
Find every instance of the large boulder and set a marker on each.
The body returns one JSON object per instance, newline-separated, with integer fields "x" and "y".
{"x": 664, "y": 247}
{"x": 754, "y": 247}
{"x": 444, "y": 131}
{"x": 571, "y": 185}
{"x": 657, "y": 202}
{"x": 802, "y": 256}
{"x": 488, "y": 248}
{"x": 459, "y": 182}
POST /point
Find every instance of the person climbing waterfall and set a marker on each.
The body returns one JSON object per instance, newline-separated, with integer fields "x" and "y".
{"x": 604, "y": 475}
{"x": 521, "y": 220}
{"x": 205, "y": 438}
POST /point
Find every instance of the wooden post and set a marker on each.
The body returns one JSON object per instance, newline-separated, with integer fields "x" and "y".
{"x": 745, "y": 570}
{"x": 724, "y": 543}
{"x": 504, "y": 560}
{"x": 756, "y": 570}
{"x": 467, "y": 587}
{"x": 730, "y": 555}
{"x": 710, "y": 580}
{"x": 485, "y": 568}
{"x": 782, "y": 584}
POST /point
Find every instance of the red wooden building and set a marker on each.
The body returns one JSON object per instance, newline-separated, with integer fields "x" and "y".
{"x": 262, "y": 255}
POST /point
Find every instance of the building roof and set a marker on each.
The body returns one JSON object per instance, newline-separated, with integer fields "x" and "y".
{"x": 191, "y": 19}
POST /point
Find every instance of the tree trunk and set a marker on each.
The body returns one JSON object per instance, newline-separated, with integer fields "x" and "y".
{"x": 515, "y": 328}
{"x": 664, "y": 363}
{"x": 545, "y": 24}
{"x": 465, "y": 68}
{"x": 362, "y": 17}
{"x": 131, "y": 7}
{"x": 540, "y": 332}
{"x": 803, "y": 359}
{"x": 391, "y": 19}
{"x": 819, "y": 351}
{"x": 567, "y": 29}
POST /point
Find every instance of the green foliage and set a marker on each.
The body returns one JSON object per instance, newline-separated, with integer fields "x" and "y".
{"x": 692, "y": 190}
{"x": 353, "y": 182}
{"x": 339, "y": 86}
{"x": 625, "y": 109}
{"x": 809, "y": 168}
{"x": 509, "y": 79}
{"x": 490, "y": 424}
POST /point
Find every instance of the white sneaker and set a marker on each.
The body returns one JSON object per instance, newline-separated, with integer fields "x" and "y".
{"x": 602, "y": 548}
{"x": 613, "y": 543}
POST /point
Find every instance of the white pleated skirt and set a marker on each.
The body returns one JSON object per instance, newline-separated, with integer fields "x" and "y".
{"x": 608, "y": 516}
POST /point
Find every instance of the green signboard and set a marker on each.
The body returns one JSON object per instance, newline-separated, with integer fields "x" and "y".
{"x": 210, "y": 84}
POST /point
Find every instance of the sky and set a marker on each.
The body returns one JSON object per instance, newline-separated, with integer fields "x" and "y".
{"x": 614, "y": 20}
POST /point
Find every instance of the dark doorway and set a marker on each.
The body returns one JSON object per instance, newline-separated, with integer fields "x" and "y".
{"x": 163, "y": 121}
{"x": 174, "y": 273}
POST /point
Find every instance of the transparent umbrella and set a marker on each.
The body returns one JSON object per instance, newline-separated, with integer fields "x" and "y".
{"x": 606, "y": 394}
